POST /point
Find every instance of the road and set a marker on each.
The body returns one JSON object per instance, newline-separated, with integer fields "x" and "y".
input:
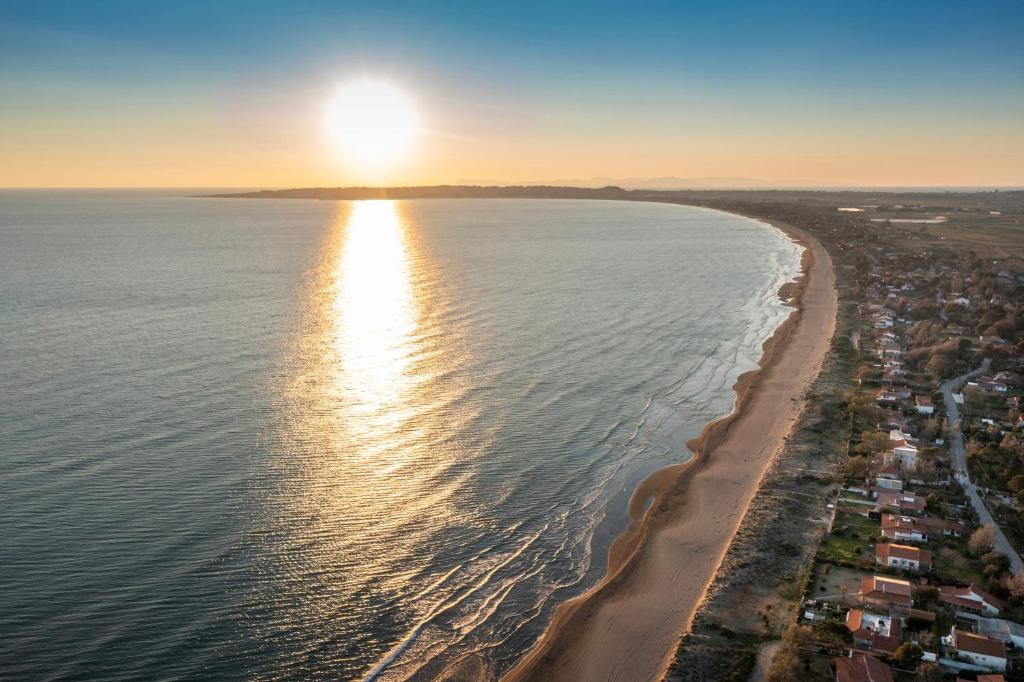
{"x": 957, "y": 450}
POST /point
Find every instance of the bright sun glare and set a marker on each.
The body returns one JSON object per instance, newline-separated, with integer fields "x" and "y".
{"x": 372, "y": 123}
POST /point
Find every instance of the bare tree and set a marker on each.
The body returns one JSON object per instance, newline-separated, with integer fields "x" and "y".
{"x": 982, "y": 540}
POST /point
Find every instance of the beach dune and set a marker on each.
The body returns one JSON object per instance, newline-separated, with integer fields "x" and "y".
{"x": 628, "y": 626}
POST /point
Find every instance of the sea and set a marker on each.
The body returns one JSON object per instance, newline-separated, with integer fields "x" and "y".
{"x": 287, "y": 439}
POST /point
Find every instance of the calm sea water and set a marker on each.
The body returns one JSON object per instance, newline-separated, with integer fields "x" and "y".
{"x": 277, "y": 439}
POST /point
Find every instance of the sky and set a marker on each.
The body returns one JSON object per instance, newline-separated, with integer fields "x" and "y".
{"x": 235, "y": 94}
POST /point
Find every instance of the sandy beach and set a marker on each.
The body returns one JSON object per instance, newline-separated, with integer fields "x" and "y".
{"x": 627, "y": 627}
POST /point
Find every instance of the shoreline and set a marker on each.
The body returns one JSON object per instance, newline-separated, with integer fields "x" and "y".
{"x": 660, "y": 567}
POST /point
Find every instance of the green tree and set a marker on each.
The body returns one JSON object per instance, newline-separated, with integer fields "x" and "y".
{"x": 908, "y": 655}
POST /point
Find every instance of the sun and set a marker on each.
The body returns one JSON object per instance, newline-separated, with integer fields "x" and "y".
{"x": 372, "y": 123}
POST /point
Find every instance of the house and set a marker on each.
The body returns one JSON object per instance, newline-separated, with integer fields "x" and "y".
{"x": 991, "y": 340}
{"x": 902, "y": 454}
{"x": 892, "y": 394}
{"x": 1006, "y": 631}
{"x": 933, "y": 525}
{"x": 879, "y": 634}
{"x": 861, "y": 668}
{"x": 889, "y": 483}
{"x": 903, "y": 528}
{"x": 970, "y": 600}
{"x": 903, "y": 557}
{"x": 891, "y": 419}
{"x": 883, "y": 592}
{"x": 923, "y": 404}
{"x": 900, "y": 502}
{"x": 978, "y": 650}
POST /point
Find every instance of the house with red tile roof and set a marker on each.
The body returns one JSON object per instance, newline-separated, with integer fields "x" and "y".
{"x": 903, "y": 528}
{"x": 861, "y": 668}
{"x": 879, "y": 634}
{"x": 978, "y": 650}
{"x": 923, "y": 404}
{"x": 970, "y": 600}
{"x": 883, "y": 592}
{"x": 899, "y": 502}
{"x": 904, "y": 557}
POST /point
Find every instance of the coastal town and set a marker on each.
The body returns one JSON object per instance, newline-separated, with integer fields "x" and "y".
{"x": 915, "y": 571}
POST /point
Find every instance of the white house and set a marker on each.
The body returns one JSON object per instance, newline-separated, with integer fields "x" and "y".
{"x": 903, "y": 454}
{"x": 979, "y": 650}
{"x": 969, "y": 601}
{"x": 903, "y": 557}
{"x": 1005, "y": 631}
{"x": 903, "y": 528}
{"x": 923, "y": 404}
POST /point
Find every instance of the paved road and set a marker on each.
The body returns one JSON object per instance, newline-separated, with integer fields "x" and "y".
{"x": 957, "y": 450}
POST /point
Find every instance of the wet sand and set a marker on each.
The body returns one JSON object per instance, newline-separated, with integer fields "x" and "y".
{"x": 627, "y": 627}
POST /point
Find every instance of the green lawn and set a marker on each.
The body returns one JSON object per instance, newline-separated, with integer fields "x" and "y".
{"x": 843, "y": 549}
{"x": 857, "y": 524}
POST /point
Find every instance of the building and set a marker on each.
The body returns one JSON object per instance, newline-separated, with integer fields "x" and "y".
{"x": 903, "y": 528}
{"x": 899, "y": 502}
{"x": 933, "y": 525}
{"x": 923, "y": 404}
{"x": 888, "y": 477}
{"x": 884, "y": 592}
{"x": 970, "y": 600}
{"x": 903, "y": 454}
{"x": 878, "y": 634}
{"x": 903, "y": 557}
{"x": 978, "y": 650}
{"x": 861, "y": 668}
{"x": 1006, "y": 631}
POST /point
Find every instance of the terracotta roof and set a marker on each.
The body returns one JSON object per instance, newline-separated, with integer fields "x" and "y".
{"x": 978, "y": 644}
{"x": 902, "y": 501}
{"x": 881, "y": 589}
{"x": 862, "y": 668}
{"x": 890, "y": 549}
{"x": 973, "y": 595}
{"x": 906, "y": 524}
{"x": 853, "y": 619}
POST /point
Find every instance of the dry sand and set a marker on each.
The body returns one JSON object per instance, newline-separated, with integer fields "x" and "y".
{"x": 628, "y": 626}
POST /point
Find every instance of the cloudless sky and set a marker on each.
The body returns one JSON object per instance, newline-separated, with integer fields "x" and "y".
{"x": 234, "y": 93}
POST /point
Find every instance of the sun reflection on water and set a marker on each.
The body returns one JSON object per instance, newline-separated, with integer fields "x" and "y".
{"x": 375, "y": 314}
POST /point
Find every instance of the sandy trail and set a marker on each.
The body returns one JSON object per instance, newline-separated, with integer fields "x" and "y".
{"x": 627, "y": 627}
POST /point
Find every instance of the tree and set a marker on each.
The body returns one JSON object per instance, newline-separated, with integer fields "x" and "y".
{"x": 874, "y": 441}
{"x": 982, "y": 540}
{"x": 857, "y": 467}
{"x": 929, "y": 672}
{"x": 996, "y": 563}
{"x": 833, "y": 634}
{"x": 1015, "y": 584}
{"x": 926, "y": 596}
{"x": 939, "y": 366}
{"x": 908, "y": 655}
{"x": 786, "y": 665}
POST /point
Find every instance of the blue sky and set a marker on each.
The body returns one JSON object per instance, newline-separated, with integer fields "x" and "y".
{"x": 493, "y": 77}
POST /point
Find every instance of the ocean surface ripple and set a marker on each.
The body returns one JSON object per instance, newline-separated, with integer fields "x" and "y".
{"x": 377, "y": 440}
